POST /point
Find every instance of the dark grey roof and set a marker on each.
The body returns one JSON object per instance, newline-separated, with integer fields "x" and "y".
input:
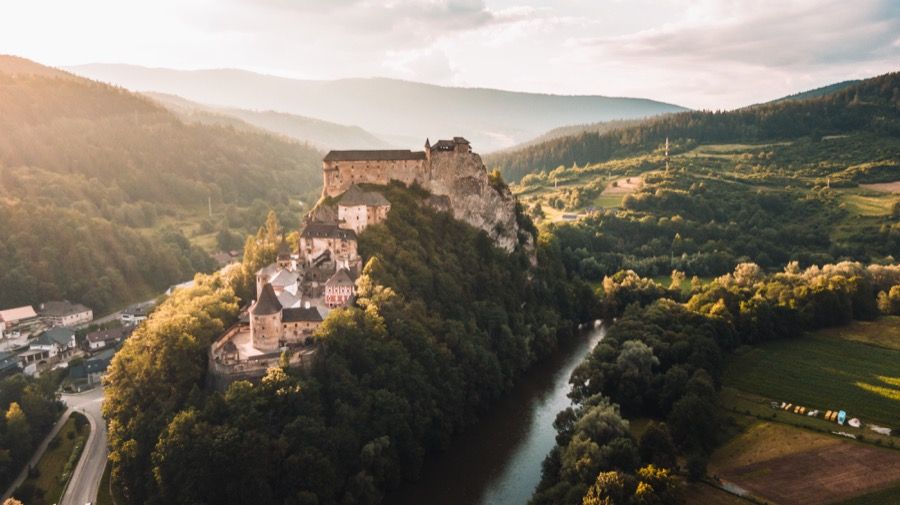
{"x": 375, "y": 155}
{"x": 341, "y": 277}
{"x": 284, "y": 250}
{"x": 355, "y": 196}
{"x": 327, "y": 230}
{"x": 267, "y": 304}
{"x": 449, "y": 145}
{"x": 61, "y": 336}
{"x": 104, "y": 335}
{"x": 301, "y": 314}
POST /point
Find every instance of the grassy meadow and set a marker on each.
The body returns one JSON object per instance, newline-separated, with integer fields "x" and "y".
{"x": 839, "y": 368}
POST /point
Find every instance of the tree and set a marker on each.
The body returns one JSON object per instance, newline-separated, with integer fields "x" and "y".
{"x": 18, "y": 432}
{"x": 656, "y": 446}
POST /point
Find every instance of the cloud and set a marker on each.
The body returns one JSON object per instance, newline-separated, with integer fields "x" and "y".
{"x": 804, "y": 33}
{"x": 428, "y": 65}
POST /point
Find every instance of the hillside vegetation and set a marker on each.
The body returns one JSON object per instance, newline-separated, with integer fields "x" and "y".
{"x": 872, "y": 105}
{"x": 444, "y": 324}
{"x": 93, "y": 177}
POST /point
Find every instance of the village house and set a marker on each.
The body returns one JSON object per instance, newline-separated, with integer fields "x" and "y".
{"x": 10, "y": 319}
{"x": 57, "y": 342}
{"x": 65, "y": 313}
{"x": 134, "y": 315}
{"x": 100, "y": 339}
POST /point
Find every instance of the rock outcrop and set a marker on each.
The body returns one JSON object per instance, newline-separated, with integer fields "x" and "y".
{"x": 463, "y": 180}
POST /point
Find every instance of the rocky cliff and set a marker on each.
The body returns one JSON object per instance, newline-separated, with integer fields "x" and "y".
{"x": 460, "y": 185}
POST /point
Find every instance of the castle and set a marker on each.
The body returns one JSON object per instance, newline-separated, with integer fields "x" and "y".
{"x": 341, "y": 169}
{"x": 296, "y": 292}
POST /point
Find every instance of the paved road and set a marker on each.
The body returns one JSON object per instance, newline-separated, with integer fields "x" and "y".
{"x": 86, "y": 478}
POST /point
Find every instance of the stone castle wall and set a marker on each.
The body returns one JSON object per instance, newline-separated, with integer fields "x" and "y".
{"x": 340, "y": 175}
{"x": 459, "y": 178}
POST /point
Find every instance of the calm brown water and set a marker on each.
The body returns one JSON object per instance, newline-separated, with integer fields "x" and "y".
{"x": 498, "y": 461}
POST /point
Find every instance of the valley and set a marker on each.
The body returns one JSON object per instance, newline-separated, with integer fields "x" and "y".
{"x": 411, "y": 326}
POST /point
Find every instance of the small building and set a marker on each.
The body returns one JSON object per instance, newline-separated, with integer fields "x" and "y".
{"x": 92, "y": 369}
{"x": 65, "y": 313}
{"x": 11, "y": 318}
{"x": 339, "y": 289}
{"x": 101, "y": 339}
{"x": 300, "y": 323}
{"x": 134, "y": 315}
{"x": 358, "y": 209}
{"x": 319, "y": 237}
{"x": 58, "y": 341}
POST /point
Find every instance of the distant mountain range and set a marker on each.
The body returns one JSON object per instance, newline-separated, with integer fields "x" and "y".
{"x": 399, "y": 112}
{"x": 321, "y": 134}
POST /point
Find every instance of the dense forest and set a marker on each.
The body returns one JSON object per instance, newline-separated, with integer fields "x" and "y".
{"x": 93, "y": 178}
{"x": 444, "y": 324}
{"x": 872, "y": 105}
{"x": 28, "y": 409}
{"x": 664, "y": 359}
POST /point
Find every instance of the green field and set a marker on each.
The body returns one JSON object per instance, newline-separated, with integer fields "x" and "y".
{"x": 868, "y": 203}
{"x": 47, "y": 482}
{"x": 823, "y": 372}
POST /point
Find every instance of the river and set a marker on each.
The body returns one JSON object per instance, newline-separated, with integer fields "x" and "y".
{"x": 498, "y": 461}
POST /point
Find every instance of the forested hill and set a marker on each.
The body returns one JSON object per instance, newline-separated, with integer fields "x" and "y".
{"x": 94, "y": 180}
{"x": 870, "y": 105}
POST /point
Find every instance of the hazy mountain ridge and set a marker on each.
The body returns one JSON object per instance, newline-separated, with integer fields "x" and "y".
{"x": 870, "y": 105}
{"x": 491, "y": 119}
{"x": 321, "y": 134}
{"x": 93, "y": 176}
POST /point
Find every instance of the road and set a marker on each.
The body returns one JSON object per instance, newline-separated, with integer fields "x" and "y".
{"x": 86, "y": 478}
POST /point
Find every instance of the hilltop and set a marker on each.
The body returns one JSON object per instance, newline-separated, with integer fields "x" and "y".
{"x": 866, "y": 106}
{"x": 100, "y": 187}
{"x": 320, "y": 134}
{"x": 493, "y": 119}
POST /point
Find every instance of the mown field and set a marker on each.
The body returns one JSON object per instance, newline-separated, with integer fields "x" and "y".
{"x": 793, "y": 466}
{"x": 827, "y": 370}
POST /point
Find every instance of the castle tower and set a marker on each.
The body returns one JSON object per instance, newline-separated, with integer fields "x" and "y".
{"x": 266, "y": 330}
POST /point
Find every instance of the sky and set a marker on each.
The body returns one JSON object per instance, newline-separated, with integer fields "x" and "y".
{"x": 714, "y": 54}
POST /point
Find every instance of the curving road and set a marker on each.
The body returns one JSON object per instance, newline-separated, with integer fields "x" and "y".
{"x": 86, "y": 478}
